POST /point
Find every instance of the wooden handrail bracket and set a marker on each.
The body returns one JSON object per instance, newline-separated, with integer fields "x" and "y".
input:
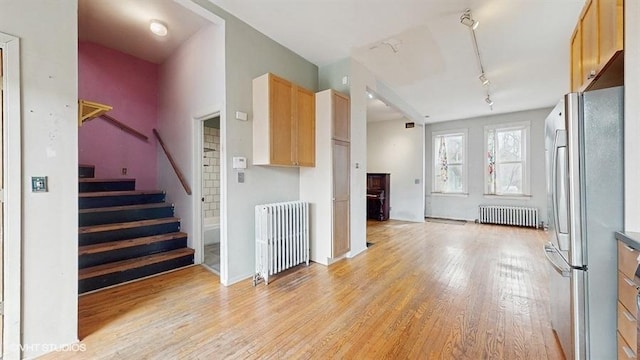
{"x": 88, "y": 110}
{"x": 181, "y": 177}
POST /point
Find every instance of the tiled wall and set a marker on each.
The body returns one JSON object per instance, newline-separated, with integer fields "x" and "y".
{"x": 211, "y": 172}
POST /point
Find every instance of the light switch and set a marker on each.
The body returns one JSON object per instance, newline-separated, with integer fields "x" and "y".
{"x": 39, "y": 184}
{"x": 241, "y": 177}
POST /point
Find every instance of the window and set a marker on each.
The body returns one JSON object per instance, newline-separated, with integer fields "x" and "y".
{"x": 450, "y": 162}
{"x": 507, "y": 159}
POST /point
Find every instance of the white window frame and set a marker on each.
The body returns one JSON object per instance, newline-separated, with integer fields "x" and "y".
{"x": 526, "y": 157}
{"x": 465, "y": 161}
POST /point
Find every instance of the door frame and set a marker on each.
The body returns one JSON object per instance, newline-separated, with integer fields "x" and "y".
{"x": 12, "y": 155}
{"x": 198, "y": 133}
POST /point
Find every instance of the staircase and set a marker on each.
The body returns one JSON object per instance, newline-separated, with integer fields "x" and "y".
{"x": 125, "y": 234}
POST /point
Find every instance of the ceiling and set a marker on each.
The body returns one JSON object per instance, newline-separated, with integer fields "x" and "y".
{"x": 125, "y": 26}
{"x": 418, "y": 48}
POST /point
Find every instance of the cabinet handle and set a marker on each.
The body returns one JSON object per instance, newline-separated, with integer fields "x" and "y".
{"x": 627, "y": 350}
{"x": 628, "y": 316}
{"x": 628, "y": 248}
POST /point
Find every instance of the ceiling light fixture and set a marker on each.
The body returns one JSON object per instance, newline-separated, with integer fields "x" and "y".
{"x": 158, "y": 27}
{"x": 467, "y": 20}
{"x": 370, "y": 95}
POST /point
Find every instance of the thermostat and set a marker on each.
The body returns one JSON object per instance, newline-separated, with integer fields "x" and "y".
{"x": 239, "y": 162}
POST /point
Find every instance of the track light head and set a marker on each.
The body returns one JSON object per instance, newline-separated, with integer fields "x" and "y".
{"x": 483, "y": 79}
{"x": 465, "y": 19}
{"x": 488, "y": 100}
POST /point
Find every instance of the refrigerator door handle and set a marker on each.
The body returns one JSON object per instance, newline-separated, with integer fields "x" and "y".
{"x": 550, "y": 253}
{"x": 559, "y": 191}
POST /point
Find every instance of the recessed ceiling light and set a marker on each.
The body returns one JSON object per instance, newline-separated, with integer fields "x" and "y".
{"x": 158, "y": 27}
{"x": 370, "y": 95}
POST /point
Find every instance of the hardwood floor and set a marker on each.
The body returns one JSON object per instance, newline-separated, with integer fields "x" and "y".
{"x": 421, "y": 291}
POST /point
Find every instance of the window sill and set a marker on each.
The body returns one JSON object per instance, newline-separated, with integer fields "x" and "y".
{"x": 508, "y": 197}
{"x": 450, "y": 194}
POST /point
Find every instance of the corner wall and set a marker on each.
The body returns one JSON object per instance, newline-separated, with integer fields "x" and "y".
{"x": 130, "y": 85}
{"x": 48, "y": 61}
{"x": 191, "y": 81}
{"x": 249, "y": 54}
{"x": 466, "y": 207}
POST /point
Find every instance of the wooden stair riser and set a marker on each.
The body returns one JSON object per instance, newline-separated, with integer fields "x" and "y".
{"x": 130, "y": 233}
{"x": 110, "y": 217}
{"x": 98, "y": 282}
{"x": 107, "y": 185}
{"x": 86, "y": 171}
{"x": 122, "y": 200}
{"x": 89, "y": 260}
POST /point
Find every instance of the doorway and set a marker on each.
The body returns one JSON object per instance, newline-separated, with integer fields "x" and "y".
{"x": 211, "y": 179}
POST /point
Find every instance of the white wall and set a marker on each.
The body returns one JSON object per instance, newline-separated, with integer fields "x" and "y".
{"x": 466, "y": 207}
{"x": 394, "y": 149}
{"x": 191, "y": 81}
{"x": 632, "y": 116}
{"x": 49, "y": 135}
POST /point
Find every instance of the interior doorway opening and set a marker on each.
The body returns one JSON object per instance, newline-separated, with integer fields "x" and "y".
{"x": 210, "y": 200}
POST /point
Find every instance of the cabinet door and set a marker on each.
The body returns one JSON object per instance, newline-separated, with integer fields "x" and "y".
{"x": 280, "y": 98}
{"x": 576, "y": 60}
{"x": 590, "y": 55}
{"x": 305, "y": 127}
{"x": 341, "y": 220}
{"x": 611, "y": 28}
{"x": 341, "y": 117}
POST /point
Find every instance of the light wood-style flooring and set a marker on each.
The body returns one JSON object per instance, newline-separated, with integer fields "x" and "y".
{"x": 421, "y": 291}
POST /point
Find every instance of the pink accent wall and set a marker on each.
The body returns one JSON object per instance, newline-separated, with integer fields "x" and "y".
{"x": 130, "y": 85}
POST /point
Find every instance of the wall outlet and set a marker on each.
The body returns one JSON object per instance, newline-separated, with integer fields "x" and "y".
{"x": 124, "y": 171}
{"x": 241, "y": 177}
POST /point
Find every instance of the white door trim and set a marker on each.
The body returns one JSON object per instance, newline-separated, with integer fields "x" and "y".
{"x": 12, "y": 197}
{"x": 198, "y": 241}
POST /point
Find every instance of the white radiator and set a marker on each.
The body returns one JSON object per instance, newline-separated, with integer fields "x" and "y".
{"x": 282, "y": 238}
{"x": 508, "y": 215}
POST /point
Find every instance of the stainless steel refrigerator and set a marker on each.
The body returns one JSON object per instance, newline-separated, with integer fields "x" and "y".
{"x": 584, "y": 165}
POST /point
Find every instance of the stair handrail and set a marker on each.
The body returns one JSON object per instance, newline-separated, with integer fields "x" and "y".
{"x": 125, "y": 127}
{"x": 181, "y": 177}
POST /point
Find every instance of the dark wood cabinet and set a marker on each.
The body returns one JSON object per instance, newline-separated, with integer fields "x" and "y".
{"x": 378, "y": 195}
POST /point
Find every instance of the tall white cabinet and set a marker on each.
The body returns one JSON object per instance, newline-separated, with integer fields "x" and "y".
{"x": 326, "y": 186}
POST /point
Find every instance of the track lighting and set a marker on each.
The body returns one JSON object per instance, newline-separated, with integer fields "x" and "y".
{"x": 465, "y": 19}
{"x": 468, "y": 21}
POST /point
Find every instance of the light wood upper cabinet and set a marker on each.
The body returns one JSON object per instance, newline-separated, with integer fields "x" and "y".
{"x": 576, "y": 59}
{"x": 596, "y": 46}
{"x": 306, "y": 127}
{"x": 283, "y": 123}
{"x": 589, "y": 27}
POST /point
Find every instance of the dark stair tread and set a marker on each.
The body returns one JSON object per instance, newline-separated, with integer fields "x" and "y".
{"x": 121, "y": 244}
{"x": 119, "y": 193}
{"x": 89, "y": 180}
{"x": 125, "y": 225}
{"x": 125, "y": 265}
{"x": 125, "y": 207}
{"x": 86, "y": 166}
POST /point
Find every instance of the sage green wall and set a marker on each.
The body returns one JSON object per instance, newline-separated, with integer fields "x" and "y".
{"x": 249, "y": 54}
